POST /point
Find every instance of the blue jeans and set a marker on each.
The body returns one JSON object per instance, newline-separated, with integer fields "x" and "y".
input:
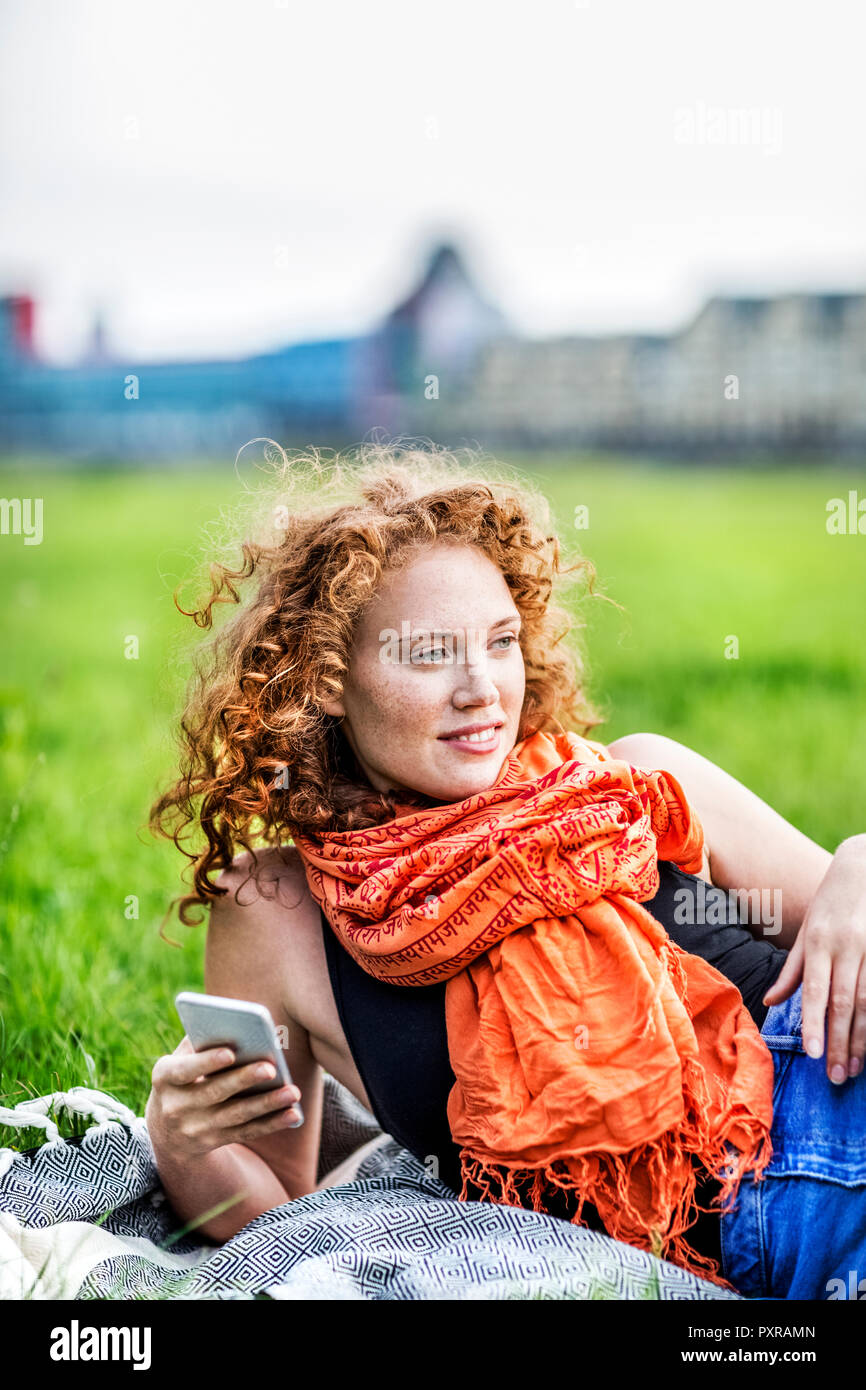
{"x": 800, "y": 1230}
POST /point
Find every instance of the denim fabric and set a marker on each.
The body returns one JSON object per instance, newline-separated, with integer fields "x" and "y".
{"x": 800, "y": 1230}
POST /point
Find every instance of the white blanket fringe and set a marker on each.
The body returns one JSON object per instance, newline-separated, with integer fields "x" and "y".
{"x": 78, "y": 1100}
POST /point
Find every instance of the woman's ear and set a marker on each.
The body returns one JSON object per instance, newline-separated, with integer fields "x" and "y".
{"x": 333, "y": 707}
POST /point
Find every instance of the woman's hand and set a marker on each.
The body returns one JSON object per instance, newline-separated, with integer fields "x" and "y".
{"x": 192, "y": 1109}
{"x": 829, "y": 956}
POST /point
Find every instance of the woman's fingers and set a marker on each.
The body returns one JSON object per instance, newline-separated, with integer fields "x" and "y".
{"x": 275, "y": 1122}
{"x": 815, "y": 996}
{"x": 234, "y": 1114}
{"x": 788, "y": 977}
{"x": 843, "y": 990}
{"x": 834, "y": 998}
{"x": 220, "y": 1089}
{"x": 857, "y": 1046}
{"x": 182, "y": 1067}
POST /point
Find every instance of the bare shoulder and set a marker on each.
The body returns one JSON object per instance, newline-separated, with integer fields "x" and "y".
{"x": 657, "y": 752}
{"x": 274, "y": 884}
{"x": 256, "y": 927}
{"x": 642, "y": 744}
{"x": 265, "y": 941}
{"x": 660, "y": 753}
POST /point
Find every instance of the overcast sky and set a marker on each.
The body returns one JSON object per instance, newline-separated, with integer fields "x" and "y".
{"x": 223, "y": 176}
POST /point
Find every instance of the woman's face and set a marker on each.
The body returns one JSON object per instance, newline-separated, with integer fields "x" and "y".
{"x": 435, "y": 653}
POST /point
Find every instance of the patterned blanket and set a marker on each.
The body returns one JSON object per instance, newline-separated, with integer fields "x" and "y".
{"x": 86, "y": 1218}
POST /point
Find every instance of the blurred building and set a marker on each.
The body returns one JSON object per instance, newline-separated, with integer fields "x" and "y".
{"x": 777, "y": 375}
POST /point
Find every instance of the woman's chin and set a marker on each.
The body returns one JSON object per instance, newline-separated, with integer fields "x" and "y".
{"x": 470, "y": 782}
{"x": 443, "y": 784}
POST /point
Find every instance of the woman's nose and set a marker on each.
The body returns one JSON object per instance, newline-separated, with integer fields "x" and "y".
{"x": 474, "y": 684}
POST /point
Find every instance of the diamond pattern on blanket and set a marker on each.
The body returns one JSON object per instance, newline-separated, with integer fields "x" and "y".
{"x": 392, "y": 1233}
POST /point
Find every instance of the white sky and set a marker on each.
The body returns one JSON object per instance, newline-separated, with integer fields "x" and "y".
{"x": 293, "y": 158}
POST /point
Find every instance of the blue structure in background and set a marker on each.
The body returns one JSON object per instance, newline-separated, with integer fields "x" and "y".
{"x": 135, "y": 410}
{"x": 324, "y": 392}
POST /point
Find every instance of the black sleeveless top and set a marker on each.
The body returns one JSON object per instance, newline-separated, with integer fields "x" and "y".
{"x": 398, "y": 1039}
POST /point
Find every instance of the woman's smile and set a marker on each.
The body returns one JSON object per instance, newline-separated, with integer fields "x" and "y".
{"x": 474, "y": 738}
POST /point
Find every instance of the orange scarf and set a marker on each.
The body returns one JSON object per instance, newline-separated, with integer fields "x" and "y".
{"x": 591, "y": 1053}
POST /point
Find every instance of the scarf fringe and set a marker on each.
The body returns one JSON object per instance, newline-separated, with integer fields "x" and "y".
{"x": 738, "y": 1144}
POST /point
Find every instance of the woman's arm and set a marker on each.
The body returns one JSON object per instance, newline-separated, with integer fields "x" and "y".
{"x": 750, "y": 846}
{"x": 245, "y": 958}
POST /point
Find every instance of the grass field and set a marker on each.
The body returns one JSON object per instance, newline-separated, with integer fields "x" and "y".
{"x": 695, "y": 557}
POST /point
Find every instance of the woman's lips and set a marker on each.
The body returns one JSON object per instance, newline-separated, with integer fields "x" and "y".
{"x": 474, "y": 745}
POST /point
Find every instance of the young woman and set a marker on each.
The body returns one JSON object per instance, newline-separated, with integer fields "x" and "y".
{"x": 566, "y": 1033}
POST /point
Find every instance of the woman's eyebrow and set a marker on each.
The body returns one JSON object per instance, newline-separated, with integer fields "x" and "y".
{"x": 513, "y": 618}
{"x": 448, "y": 632}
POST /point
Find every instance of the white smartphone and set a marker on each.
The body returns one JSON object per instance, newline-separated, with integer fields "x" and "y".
{"x": 211, "y": 1020}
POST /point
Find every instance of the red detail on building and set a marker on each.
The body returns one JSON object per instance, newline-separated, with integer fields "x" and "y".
{"x": 23, "y": 313}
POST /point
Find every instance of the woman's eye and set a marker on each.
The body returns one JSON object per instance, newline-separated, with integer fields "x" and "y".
{"x": 434, "y": 655}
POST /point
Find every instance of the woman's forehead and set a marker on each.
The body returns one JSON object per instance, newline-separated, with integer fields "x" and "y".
{"x": 445, "y": 590}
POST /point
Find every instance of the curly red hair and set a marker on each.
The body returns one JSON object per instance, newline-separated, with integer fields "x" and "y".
{"x": 255, "y": 746}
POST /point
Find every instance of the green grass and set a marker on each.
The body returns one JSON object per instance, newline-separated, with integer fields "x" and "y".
{"x": 694, "y": 555}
